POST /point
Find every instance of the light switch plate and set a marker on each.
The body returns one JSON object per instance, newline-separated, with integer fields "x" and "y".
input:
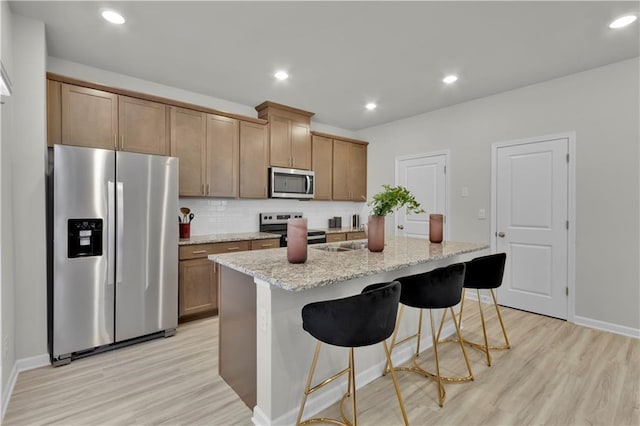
{"x": 482, "y": 214}
{"x": 465, "y": 191}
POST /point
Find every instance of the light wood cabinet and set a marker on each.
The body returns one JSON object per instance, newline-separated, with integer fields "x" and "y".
{"x": 265, "y": 244}
{"x": 357, "y": 235}
{"x": 222, "y": 156}
{"x": 349, "y": 171}
{"x": 142, "y": 126}
{"x": 254, "y": 160}
{"x": 198, "y": 287}
{"x": 334, "y": 238}
{"x": 289, "y": 135}
{"x": 83, "y": 116}
{"x": 322, "y": 165}
{"x": 188, "y": 143}
{"x": 88, "y": 117}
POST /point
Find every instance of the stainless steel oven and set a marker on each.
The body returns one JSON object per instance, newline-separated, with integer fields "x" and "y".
{"x": 276, "y": 223}
{"x": 291, "y": 183}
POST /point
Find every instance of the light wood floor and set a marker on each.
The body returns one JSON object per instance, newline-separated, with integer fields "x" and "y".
{"x": 556, "y": 373}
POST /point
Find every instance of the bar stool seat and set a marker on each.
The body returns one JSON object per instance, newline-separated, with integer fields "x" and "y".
{"x": 437, "y": 289}
{"x": 361, "y": 320}
{"x": 485, "y": 273}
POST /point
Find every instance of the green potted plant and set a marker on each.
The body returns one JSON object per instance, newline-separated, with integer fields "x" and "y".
{"x": 384, "y": 203}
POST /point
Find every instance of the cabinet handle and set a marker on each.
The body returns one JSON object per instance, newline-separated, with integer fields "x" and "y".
{"x": 115, "y": 141}
{"x": 207, "y": 189}
{"x": 121, "y": 141}
{"x": 202, "y": 190}
{"x": 198, "y": 251}
{"x": 267, "y": 245}
{"x": 233, "y": 248}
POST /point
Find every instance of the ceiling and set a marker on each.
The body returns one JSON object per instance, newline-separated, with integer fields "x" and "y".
{"x": 341, "y": 55}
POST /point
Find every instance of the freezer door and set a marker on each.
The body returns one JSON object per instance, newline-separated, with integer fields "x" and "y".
{"x": 83, "y": 288}
{"x": 147, "y": 244}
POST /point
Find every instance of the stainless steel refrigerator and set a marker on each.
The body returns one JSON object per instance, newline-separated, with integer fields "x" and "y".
{"x": 113, "y": 276}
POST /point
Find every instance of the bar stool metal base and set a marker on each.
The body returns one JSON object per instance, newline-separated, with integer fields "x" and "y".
{"x": 484, "y": 348}
{"x": 351, "y": 389}
{"x": 416, "y": 368}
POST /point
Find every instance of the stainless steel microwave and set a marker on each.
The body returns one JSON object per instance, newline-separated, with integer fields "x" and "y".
{"x": 291, "y": 183}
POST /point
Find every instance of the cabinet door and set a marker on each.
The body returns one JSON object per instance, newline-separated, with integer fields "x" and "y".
{"x": 358, "y": 172}
{"x": 322, "y": 161}
{"x": 300, "y": 146}
{"x": 188, "y": 141}
{"x": 341, "y": 186}
{"x": 198, "y": 287}
{"x": 222, "y": 156}
{"x": 332, "y": 238}
{"x": 142, "y": 126}
{"x": 279, "y": 142}
{"x": 356, "y": 235}
{"x": 89, "y": 117}
{"x": 54, "y": 113}
{"x": 254, "y": 160}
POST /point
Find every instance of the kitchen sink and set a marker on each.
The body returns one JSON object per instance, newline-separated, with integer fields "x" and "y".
{"x": 355, "y": 245}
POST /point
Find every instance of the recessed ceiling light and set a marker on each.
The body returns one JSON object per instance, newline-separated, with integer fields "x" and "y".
{"x": 370, "y": 106}
{"x": 281, "y": 75}
{"x": 623, "y": 21}
{"x": 113, "y": 17}
{"x": 450, "y": 79}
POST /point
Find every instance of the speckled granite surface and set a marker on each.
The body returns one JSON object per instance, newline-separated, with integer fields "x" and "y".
{"x": 222, "y": 238}
{"x": 323, "y": 268}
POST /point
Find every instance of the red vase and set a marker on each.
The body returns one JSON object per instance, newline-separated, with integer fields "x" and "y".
{"x": 297, "y": 240}
{"x": 435, "y": 228}
{"x": 375, "y": 233}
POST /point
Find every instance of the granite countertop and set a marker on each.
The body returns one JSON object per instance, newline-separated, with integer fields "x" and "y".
{"x": 222, "y": 238}
{"x": 323, "y": 268}
{"x": 339, "y": 230}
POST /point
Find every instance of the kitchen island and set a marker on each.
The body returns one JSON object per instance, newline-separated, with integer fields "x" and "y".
{"x": 264, "y": 352}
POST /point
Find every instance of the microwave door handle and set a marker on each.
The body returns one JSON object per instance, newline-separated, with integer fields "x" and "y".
{"x": 308, "y": 191}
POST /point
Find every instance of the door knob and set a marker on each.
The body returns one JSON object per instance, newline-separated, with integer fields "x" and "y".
{"x": 400, "y": 227}
{"x": 501, "y": 234}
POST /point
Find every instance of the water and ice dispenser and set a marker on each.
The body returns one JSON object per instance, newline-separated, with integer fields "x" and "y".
{"x": 84, "y": 237}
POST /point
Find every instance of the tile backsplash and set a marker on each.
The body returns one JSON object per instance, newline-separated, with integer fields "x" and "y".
{"x": 220, "y": 216}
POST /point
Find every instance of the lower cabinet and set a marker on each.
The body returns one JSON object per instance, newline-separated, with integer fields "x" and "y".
{"x": 358, "y": 235}
{"x": 333, "y": 238}
{"x": 198, "y": 276}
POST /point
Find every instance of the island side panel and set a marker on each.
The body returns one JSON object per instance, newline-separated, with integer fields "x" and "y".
{"x": 237, "y": 322}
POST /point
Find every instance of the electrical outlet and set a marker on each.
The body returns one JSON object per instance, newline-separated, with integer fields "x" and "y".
{"x": 465, "y": 191}
{"x": 482, "y": 214}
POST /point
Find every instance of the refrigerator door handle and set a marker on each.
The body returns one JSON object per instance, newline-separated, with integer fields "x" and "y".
{"x": 111, "y": 225}
{"x": 120, "y": 227}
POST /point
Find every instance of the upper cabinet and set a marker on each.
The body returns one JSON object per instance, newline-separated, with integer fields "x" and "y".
{"x": 142, "y": 126}
{"x": 94, "y": 118}
{"x": 223, "y": 151}
{"x": 322, "y": 165}
{"x": 254, "y": 160}
{"x": 289, "y": 135}
{"x": 349, "y": 170}
{"x": 88, "y": 117}
{"x": 188, "y": 143}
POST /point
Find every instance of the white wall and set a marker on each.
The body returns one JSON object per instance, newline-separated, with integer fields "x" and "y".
{"x": 7, "y": 288}
{"x": 601, "y": 106}
{"x": 28, "y": 161}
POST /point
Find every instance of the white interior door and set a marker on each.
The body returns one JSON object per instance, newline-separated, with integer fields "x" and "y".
{"x": 425, "y": 176}
{"x": 531, "y": 221}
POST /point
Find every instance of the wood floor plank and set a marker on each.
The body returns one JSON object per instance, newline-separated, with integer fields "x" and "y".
{"x": 556, "y": 373}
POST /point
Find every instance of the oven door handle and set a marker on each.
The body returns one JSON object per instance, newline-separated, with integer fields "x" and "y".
{"x": 316, "y": 237}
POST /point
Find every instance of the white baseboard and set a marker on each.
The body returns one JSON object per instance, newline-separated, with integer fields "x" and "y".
{"x": 322, "y": 399}
{"x": 607, "y": 326}
{"x": 21, "y": 365}
{"x": 484, "y": 298}
{"x": 6, "y": 396}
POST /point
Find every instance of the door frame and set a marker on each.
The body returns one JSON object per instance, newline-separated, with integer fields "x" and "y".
{"x": 447, "y": 156}
{"x": 571, "y": 206}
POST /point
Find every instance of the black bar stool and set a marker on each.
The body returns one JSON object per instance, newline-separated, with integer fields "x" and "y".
{"x": 437, "y": 289}
{"x": 485, "y": 273}
{"x": 361, "y": 320}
